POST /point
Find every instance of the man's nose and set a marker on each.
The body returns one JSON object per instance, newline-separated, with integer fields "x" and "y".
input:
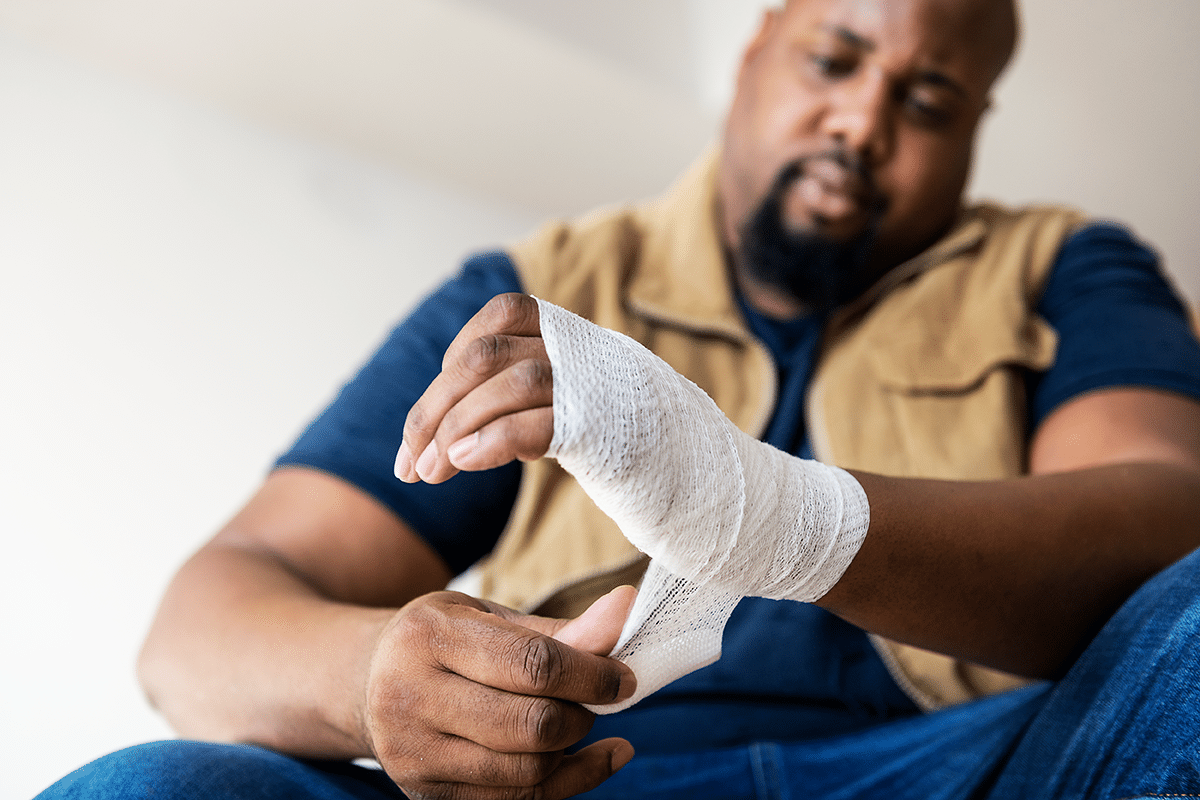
{"x": 860, "y": 117}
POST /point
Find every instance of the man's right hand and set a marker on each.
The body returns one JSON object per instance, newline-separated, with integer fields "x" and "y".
{"x": 468, "y": 699}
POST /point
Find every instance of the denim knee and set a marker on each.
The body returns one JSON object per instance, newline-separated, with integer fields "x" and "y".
{"x": 184, "y": 770}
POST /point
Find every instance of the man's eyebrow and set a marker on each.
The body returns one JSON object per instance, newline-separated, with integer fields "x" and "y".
{"x": 850, "y": 37}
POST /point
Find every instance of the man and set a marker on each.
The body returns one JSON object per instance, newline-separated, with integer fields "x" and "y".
{"x": 1015, "y": 395}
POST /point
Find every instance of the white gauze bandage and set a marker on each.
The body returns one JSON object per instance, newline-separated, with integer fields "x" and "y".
{"x": 721, "y": 514}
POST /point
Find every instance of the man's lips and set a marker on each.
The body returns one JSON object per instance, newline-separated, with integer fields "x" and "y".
{"x": 833, "y": 194}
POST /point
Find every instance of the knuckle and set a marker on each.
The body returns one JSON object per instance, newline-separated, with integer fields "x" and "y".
{"x": 457, "y": 422}
{"x": 417, "y": 422}
{"x": 419, "y": 789}
{"x": 539, "y": 665}
{"x": 445, "y": 791}
{"x": 400, "y": 696}
{"x": 547, "y": 764}
{"x": 521, "y": 772}
{"x": 532, "y": 769}
{"x": 542, "y": 723}
{"x": 410, "y": 768}
{"x": 532, "y": 376}
{"x": 405, "y": 772}
{"x": 531, "y": 436}
{"x": 485, "y": 355}
{"x": 420, "y": 633}
{"x": 419, "y": 621}
{"x": 509, "y": 310}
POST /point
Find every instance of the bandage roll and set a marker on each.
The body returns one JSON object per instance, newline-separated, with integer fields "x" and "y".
{"x": 721, "y": 514}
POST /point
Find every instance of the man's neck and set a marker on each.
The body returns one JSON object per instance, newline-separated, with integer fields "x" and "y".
{"x": 768, "y": 300}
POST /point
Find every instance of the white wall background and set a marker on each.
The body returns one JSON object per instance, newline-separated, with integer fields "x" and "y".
{"x": 180, "y": 292}
{"x": 1102, "y": 110}
{"x": 210, "y": 211}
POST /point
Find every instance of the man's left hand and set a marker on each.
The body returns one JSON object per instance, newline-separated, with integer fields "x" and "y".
{"x": 492, "y": 401}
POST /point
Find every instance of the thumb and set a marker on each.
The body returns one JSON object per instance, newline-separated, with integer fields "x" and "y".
{"x": 595, "y": 631}
{"x": 598, "y": 628}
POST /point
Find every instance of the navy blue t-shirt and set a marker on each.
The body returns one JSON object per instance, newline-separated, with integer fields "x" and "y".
{"x": 788, "y": 670}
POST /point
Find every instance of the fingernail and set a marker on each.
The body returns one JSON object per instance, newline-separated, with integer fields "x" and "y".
{"x": 621, "y": 756}
{"x": 459, "y": 453}
{"x": 428, "y": 460}
{"x": 404, "y": 464}
{"x": 627, "y": 688}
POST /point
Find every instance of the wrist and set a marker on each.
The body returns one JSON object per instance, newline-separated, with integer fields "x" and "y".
{"x": 351, "y": 713}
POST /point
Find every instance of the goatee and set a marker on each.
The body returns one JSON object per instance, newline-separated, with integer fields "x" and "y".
{"x": 811, "y": 267}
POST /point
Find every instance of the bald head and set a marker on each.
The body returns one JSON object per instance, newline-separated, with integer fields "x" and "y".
{"x": 994, "y": 25}
{"x": 998, "y": 29}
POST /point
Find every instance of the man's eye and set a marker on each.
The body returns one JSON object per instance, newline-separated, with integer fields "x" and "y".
{"x": 925, "y": 113}
{"x": 831, "y": 66}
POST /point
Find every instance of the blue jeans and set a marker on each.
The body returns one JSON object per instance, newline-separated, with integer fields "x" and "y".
{"x": 1124, "y": 723}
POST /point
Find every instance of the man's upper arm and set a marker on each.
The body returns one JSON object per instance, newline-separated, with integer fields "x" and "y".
{"x": 356, "y": 437}
{"x": 1118, "y": 425}
{"x": 336, "y": 538}
{"x": 1125, "y": 385}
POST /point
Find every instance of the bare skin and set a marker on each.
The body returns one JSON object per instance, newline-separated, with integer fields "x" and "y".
{"x": 315, "y": 622}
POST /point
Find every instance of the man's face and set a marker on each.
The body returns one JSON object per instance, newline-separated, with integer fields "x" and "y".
{"x": 857, "y": 119}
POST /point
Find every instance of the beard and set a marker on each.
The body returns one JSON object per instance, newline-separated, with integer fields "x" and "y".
{"x": 808, "y": 265}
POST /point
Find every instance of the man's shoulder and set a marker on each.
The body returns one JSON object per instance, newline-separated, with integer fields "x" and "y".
{"x": 1020, "y": 242}
{"x": 998, "y": 216}
{"x": 612, "y": 243}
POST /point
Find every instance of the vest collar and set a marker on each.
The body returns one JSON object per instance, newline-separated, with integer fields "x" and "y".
{"x": 967, "y": 232}
{"x": 681, "y": 277}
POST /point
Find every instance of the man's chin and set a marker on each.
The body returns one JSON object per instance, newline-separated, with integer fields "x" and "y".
{"x": 842, "y": 231}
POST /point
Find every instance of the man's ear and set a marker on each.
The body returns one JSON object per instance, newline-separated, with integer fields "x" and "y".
{"x": 766, "y": 26}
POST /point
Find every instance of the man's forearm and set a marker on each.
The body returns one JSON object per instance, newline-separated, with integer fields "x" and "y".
{"x": 1019, "y": 574}
{"x": 244, "y": 651}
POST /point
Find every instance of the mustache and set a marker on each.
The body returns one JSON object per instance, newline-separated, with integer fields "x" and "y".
{"x": 853, "y": 163}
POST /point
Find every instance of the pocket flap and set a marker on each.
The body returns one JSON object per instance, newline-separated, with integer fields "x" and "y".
{"x": 929, "y": 341}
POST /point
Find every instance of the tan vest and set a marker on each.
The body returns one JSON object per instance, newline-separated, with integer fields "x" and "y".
{"x": 929, "y": 361}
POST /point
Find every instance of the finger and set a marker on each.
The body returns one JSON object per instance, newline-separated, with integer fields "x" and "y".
{"x": 587, "y": 769}
{"x": 498, "y": 720}
{"x": 510, "y": 314}
{"x": 448, "y": 759}
{"x": 517, "y": 659}
{"x": 574, "y": 774}
{"x": 525, "y": 435}
{"x": 591, "y": 630}
{"x": 477, "y": 362}
{"x": 523, "y": 386}
{"x": 498, "y": 334}
{"x": 595, "y": 631}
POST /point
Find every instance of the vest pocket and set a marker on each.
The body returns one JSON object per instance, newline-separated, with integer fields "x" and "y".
{"x": 932, "y": 360}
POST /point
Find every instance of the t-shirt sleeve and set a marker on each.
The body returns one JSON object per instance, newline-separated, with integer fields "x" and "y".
{"x": 1119, "y": 322}
{"x": 357, "y": 436}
